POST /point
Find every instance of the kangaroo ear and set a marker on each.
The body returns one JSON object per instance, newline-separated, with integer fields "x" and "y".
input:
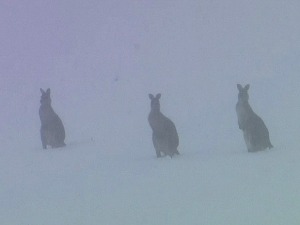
{"x": 239, "y": 87}
{"x": 158, "y": 96}
{"x": 247, "y": 87}
{"x": 151, "y": 96}
{"x": 42, "y": 91}
{"x": 48, "y": 91}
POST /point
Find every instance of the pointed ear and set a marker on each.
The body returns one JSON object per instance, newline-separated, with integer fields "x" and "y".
{"x": 247, "y": 87}
{"x": 158, "y": 96}
{"x": 42, "y": 91}
{"x": 48, "y": 91}
{"x": 239, "y": 87}
{"x": 151, "y": 96}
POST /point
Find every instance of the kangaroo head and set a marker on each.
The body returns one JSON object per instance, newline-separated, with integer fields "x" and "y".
{"x": 243, "y": 92}
{"x": 45, "y": 98}
{"x": 155, "y": 105}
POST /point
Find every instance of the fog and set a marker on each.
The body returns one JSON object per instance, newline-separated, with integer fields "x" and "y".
{"x": 101, "y": 59}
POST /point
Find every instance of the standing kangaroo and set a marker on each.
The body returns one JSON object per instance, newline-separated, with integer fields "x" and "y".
{"x": 164, "y": 134}
{"x": 256, "y": 133}
{"x": 52, "y": 129}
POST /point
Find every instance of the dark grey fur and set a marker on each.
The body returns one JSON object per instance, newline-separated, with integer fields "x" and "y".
{"x": 52, "y": 129}
{"x": 164, "y": 134}
{"x": 255, "y": 132}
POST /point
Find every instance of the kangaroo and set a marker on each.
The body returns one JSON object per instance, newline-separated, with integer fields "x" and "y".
{"x": 164, "y": 134}
{"x": 52, "y": 129}
{"x": 256, "y": 134}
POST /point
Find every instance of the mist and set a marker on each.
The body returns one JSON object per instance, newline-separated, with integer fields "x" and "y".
{"x": 101, "y": 59}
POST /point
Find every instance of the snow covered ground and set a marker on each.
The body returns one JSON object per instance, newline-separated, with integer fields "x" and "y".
{"x": 101, "y": 59}
{"x": 81, "y": 185}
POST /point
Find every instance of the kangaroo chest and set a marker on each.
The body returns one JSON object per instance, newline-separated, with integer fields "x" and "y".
{"x": 157, "y": 122}
{"x": 47, "y": 115}
{"x": 243, "y": 111}
{"x": 240, "y": 110}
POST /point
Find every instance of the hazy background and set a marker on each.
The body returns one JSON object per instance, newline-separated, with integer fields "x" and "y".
{"x": 102, "y": 58}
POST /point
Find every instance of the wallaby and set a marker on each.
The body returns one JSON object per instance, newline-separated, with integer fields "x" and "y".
{"x": 164, "y": 134}
{"x": 255, "y": 132}
{"x": 52, "y": 129}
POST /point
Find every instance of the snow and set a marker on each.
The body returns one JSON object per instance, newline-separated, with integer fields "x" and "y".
{"x": 101, "y": 59}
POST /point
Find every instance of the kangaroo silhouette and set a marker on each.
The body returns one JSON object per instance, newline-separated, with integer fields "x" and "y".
{"x": 52, "y": 129}
{"x": 164, "y": 134}
{"x": 256, "y": 134}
